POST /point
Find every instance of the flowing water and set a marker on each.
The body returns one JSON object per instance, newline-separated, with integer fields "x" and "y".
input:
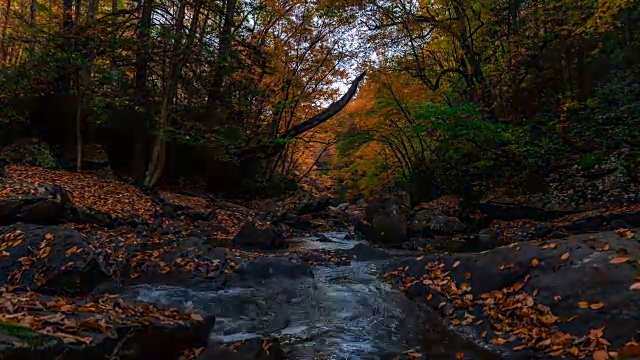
{"x": 345, "y": 312}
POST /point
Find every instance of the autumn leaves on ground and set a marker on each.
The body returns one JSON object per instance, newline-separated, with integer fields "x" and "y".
{"x": 95, "y": 236}
{"x": 568, "y": 290}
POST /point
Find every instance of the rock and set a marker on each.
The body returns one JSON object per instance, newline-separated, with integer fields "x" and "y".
{"x": 387, "y": 216}
{"x": 418, "y": 224}
{"x": 389, "y": 229}
{"x": 363, "y": 229}
{"x": 426, "y": 223}
{"x": 316, "y": 205}
{"x": 502, "y": 232}
{"x": 295, "y": 222}
{"x": 198, "y": 215}
{"x": 419, "y": 244}
{"x": 83, "y": 215}
{"x": 349, "y": 237}
{"x": 34, "y": 204}
{"x": 323, "y": 238}
{"x": 29, "y": 152}
{"x": 599, "y": 220}
{"x": 387, "y": 203}
{"x": 546, "y": 280}
{"x": 279, "y": 266}
{"x": 267, "y": 237}
{"x": 518, "y": 208}
{"x": 364, "y": 252}
{"x": 342, "y": 207}
{"x": 251, "y": 349}
{"x": 50, "y": 260}
{"x": 446, "y": 225}
{"x": 487, "y": 239}
{"x": 139, "y": 331}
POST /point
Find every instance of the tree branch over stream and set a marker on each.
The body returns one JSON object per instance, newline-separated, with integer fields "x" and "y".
{"x": 274, "y": 146}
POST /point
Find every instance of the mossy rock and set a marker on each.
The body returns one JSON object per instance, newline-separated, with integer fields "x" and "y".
{"x": 29, "y": 152}
{"x": 16, "y": 340}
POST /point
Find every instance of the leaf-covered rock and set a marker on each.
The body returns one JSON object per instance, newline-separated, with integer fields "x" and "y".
{"x": 559, "y": 297}
{"x": 50, "y": 259}
{"x": 33, "y": 326}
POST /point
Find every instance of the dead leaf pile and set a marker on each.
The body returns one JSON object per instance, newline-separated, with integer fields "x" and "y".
{"x": 17, "y": 189}
{"x": 87, "y": 190}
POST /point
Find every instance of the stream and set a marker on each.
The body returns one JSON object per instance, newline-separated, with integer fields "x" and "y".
{"x": 343, "y": 312}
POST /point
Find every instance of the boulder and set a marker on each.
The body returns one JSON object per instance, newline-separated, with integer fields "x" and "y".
{"x": 29, "y": 152}
{"x": 50, "y": 260}
{"x": 386, "y": 219}
{"x": 315, "y": 205}
{"x": 524, "y": 294}
{"x": 33, "y": 203}
{"x": 295, "y": 222}
{"x": 255, "y": 235}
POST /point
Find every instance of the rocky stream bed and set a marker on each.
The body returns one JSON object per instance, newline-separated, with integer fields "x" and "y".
{"x": 100, "y": 270}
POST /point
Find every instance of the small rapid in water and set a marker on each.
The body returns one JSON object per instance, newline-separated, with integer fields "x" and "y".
{"x": 343, "y": 312}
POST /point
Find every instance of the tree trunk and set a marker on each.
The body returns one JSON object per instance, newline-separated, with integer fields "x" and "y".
{"x": 178, "y": 60}
{"x": 79, "y": 92}
{"x": 141, "y": 94}
{"x": 216, "y": 97}
{"x": 5, "y": 26}
{"x": 32, "y": 13}
{"x": 78, "y": 10}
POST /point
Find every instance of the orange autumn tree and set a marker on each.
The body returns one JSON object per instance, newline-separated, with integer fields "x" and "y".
{"x": 502, "y": 86}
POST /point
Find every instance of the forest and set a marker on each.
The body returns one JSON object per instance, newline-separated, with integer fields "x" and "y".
{"x": 457, "y": 96}
{"x": 484, "y": 155}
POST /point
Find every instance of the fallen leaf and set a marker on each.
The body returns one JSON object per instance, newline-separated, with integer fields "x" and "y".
{"x": 619, "y": 260}
{"x": 600, "y": 355}
{"x": 626, "y": 233}
{"x": 459, "y": 355}
{"x": 48, "y": 236}
{"x": 630, "y": 349}
{"x": 456, "y": 263}
{"x": 564, "y": 256}
{"x": 583, "y": 305}
{"x": 635, "y": 286}
{"x": 596, "y": 306}
{"x": 197, "y": 317}
{"x": 534, "y": 262}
